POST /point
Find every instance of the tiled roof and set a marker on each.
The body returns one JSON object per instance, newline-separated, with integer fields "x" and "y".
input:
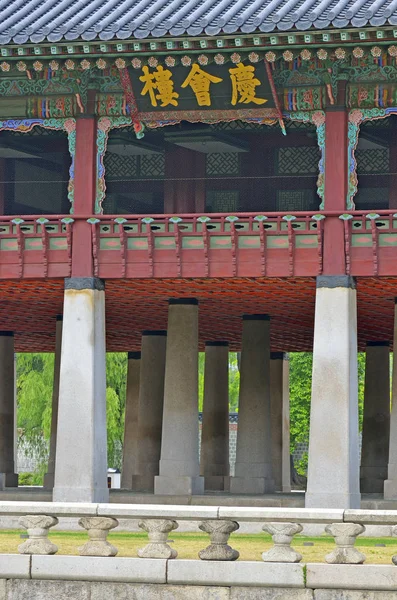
{"x": 23, "y": 21}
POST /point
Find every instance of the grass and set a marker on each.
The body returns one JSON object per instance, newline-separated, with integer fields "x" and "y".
{"x": 189, "y": 544}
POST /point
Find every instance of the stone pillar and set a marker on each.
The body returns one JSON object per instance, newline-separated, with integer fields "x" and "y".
{"x": 253, "y": 470}
{"x": 333, "y": 474}
{"x": 279, "y": 408}
{"x": 130, "y": 447}
{"x": 179, "y": 464}
{"x": 390, "y": 487}
{"x": 150, "y": 409}
{"x": 81, "y": 451}
{"x": 214, "y": 463}
{"x": 376, "y": 421}
{"x": 8, "y": 477}
{"x": 49, "y": 476}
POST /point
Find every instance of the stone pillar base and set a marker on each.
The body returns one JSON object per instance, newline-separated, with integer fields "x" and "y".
{"x": 330, "y": 500}
{"x": 143, "y": 483}
{"x": 49, "y": 481}
{"x": 8, "y": 480}
{"x": 372, "y": 479}
{"x": 251, "y": 485}
{"x": 217, "y": 483}
{"x": 176, "y": 486}
{"x": 390, "y": 489}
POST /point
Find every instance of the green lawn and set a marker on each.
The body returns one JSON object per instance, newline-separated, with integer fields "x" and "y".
{"x": 189, "y": 544}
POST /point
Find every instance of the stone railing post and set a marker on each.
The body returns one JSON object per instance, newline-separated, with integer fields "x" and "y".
{"x": 157, "y": 530}
{"x": 345, "y": 536}
{"x": 282, "y": 534}
{"x": 38, "y": 527}
{"x": 98, "y": 529}
{"x": 219, "y": 532}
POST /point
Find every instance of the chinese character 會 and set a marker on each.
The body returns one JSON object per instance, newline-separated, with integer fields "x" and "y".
{"x": 159, "y": 81}
{"x": 200, "y": 82}
{"x": 244, "y": 83}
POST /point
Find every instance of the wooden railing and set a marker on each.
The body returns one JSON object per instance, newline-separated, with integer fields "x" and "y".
{"x": 193, "y": 245}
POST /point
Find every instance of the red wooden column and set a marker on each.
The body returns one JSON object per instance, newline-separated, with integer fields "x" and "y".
{"x": 336, "y": 182}
{"x": 184, "y": 187}
{"x": 84, "y": 194}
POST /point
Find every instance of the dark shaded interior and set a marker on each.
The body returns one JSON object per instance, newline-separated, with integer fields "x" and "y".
{"x": 376, "y": 156}
{"x": 222, "y": 168}
{"x": 34, "y": 172}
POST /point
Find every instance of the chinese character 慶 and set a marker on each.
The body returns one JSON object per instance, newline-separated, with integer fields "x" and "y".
{"x": 159, "y": 81}
{"x": 244, "y": 83}
{"x": 200, "y": 82}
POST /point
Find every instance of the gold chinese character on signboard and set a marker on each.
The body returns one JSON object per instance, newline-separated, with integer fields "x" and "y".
{"x": 244, "y": 83}
{"x": 159, "y": 81}
{"x": 200, "y": 82}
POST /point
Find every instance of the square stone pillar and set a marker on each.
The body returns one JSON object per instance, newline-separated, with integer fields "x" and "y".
{"x": 390, "y": 487}
{"x": 81, "y": 451}
{"x": 279, "y": 408}
{"x": 376, "y": 421}
{"x": 130, "y": 446}
{"x": 8, "y": 477}
{"x": 214, "y": 460}
{"x": 253, "y": 470}
{"x": 333, "y": 474}
{"x": 150, "y": 409}
{"x": 179, "y": 464}
{"x": 49, "y": 476}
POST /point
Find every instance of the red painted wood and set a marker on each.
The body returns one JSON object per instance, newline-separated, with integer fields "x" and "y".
{"x": 184, "y": 185}
{"x": 84, "y": 195}
{"x": 335, "y": 190}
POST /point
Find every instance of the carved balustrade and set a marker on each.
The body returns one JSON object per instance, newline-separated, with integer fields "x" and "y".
{"x": 218, "y": 521}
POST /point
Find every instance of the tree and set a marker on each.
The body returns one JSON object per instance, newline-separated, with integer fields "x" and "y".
{"x": 234, "y": 381}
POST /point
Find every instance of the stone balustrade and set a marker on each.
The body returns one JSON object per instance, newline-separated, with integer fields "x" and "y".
{"x": 218, "y": 521}
{"x": 216, "y": 573}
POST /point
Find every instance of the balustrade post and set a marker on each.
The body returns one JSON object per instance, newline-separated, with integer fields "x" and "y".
{"x": 282, "y": 534}
{"x": 157, "y": 530}
{"x": 219, "y": 532}
{"x": 98, "y": 529}
{"x": 38, "y": 527}
{"x": 345, "y": 536}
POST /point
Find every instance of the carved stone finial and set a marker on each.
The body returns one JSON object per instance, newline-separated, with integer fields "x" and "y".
{"x": 345, "y": 536}
{"x": 158, "y": 530}
{"x": 282, "y": 534}
{"x": 219, "y": 532}
{"x": 38, "y": 527}
{"x": 98, "y": 529}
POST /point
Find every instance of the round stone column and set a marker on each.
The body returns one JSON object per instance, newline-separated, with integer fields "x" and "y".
{"x": 333, "y": 474}
{"x": 150, "y": 409}
{"x": 8, "y": 477}
{"x": 376, "y": 420}
{"x": 253, "y": 470}
{"x": 49, "y": 476}
{"x": 179, "y": 464}
{"x": 279, "y": 408}
{"x": 390, "y": 486}
{"x": 130, "y": 447}
{"x": 214, "y": 463}
{"x": 81, "y": 451}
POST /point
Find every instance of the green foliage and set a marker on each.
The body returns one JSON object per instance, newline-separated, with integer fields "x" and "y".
{"x": 300, "y": 397}
{"x": 35, "y": 373}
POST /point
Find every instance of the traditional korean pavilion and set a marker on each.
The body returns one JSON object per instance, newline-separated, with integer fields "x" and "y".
{"x": 182, "y": 175}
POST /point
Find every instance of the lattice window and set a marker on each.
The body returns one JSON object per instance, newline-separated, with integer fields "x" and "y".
{"x": 238, "y": 125}
{"x": 120, "y": 167}
{"x": 225, "y": 201}
{"x": 152, "y": 165}
{"x": 292, "y": 200}
{"x": 298, "y": 160}
{"x": 222, "y": 163}
{"x": 372, "y": 160}
{"x": 376, "y": 197}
